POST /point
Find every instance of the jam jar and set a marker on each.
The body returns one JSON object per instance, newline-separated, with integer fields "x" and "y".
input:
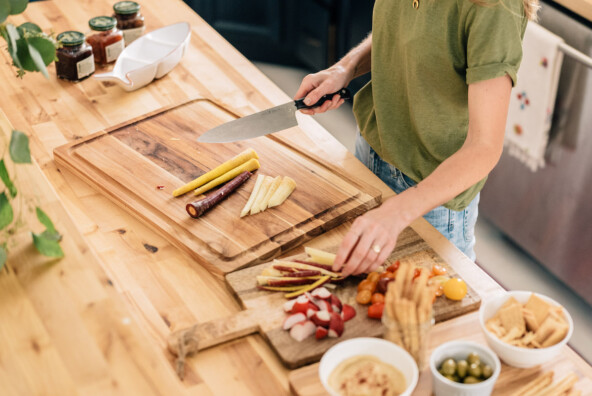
{"x": 107, "y": 40}
{"x": 129, "y": 20}
{"x": 75, "y": 57}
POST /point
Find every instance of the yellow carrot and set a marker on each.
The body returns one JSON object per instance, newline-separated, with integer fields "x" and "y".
{"x": 217, "y": 171}
{"x": 250, "y": 166}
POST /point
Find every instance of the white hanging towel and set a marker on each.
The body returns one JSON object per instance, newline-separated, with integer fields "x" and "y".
{"x": 533, "y": 97}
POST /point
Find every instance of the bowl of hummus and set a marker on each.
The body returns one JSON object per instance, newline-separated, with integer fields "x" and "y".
{"x": 368, "y": 366}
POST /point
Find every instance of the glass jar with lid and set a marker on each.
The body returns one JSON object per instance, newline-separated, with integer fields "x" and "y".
{"x": 106, "y": 40}
{"x": 75, "y": 57}
{"x": 129, "y": 20}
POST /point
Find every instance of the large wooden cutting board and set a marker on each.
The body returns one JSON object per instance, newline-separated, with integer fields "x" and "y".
{"x": 264, "y": 310}
{"x": 139, "y": 164}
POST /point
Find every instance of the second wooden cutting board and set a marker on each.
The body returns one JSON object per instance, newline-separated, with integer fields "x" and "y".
{"x": 264, "y": 312}
{"x": 139, "y": 164}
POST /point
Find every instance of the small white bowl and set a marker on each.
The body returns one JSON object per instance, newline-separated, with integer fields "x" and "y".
{"x": 513, "y": 355}
{"x": 382, "y": 349}
{"x": 460, "y": 350}
{"x": 149, "y": 57}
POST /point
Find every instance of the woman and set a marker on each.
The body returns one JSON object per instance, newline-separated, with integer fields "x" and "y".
{"x": 432, "y": 118}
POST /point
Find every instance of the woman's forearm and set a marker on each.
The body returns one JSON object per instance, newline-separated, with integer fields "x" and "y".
{"x": 358, "y": 60}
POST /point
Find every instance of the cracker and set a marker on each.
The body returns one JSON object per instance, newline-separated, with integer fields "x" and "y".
{"x": 538, "y": 307}
{"x": 530, "y": 319}
{"x": 511, "y": 317}
{"x": 557, "y": 335}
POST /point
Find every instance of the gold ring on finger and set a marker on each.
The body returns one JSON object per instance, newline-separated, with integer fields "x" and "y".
{"x": 376, "y": 248}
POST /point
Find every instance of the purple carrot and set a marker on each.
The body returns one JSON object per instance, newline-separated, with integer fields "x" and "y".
{"x": 198, "y": 208}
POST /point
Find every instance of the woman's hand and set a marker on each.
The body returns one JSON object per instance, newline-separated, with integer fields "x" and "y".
{"x": 371, "y": 240}
{"x": 314, "y": 86}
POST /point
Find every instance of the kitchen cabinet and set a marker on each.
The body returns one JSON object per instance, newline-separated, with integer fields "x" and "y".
{"x": 310, "y": 33}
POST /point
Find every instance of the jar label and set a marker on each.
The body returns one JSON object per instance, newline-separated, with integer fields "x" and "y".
{"x": 112, "y": 51}
{"x": 86, "y": 67}
{"x": 129, "y": 35}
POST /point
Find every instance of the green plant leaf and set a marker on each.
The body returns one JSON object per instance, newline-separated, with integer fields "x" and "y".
{"x": 17, "y": 6}
{"x": 37, "y": 59}
{"x": 4, "y": 10}
{"x": 19, "y": 147}
{"x": 6, "y": 213}
{"x": 29, "y": 27}
{"x": 6, "y": 179}
{"x": 3, "y": 256}
{"x": 29, "y": 58}
{"x": 44, "y": 219}
{"x": 46, "y": 246}
{"x": 12, "y": 37}
{"x": 52, "y": 235}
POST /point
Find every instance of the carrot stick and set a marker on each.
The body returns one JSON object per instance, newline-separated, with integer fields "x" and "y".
{"x": 248, "y": 166}
{"x": 198, "y": 208}
{"x": 217, "y": 172}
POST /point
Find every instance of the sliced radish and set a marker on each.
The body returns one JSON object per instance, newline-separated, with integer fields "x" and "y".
{"x": 288, "y": 305}
{"x": 323, "y": 305}
{"x": 293, "y": 319}
{"x": 348, "y": 312}
{"x": 335, "y": 325}
{"x": 321, "y": 333}
{"x": 322, "y": 293}
{"x": 335, "y": 303}
{"x": 312, "y": 309}
{"x": 303, "y": 330}
{"x": 321, "y": 318}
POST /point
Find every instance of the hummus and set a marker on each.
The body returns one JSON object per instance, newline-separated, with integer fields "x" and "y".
{"x": 366, "y": 375}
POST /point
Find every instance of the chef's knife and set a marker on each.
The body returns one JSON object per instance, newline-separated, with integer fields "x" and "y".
{"x": 267, "y": 121}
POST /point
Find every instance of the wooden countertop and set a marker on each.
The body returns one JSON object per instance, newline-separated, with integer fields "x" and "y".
{"x": 581, "y": 7}
{"x": 96, "y": 321}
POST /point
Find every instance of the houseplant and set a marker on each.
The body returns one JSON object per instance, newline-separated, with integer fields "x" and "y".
{"x": 30, "y": 50}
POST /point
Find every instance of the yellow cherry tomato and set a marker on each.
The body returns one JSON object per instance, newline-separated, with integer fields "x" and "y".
{"x": 455, "y": 289}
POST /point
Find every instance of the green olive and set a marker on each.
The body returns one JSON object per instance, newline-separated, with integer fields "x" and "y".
{"x": 475, "y": 370}
{"x": 471, "y": 380}
{"x": 461, "y": 368}
{"x": 473, "y": 358}
{"x": 487, "y": 371}
{"x": 449, "y": 367}
{"x": 453, "y": 378}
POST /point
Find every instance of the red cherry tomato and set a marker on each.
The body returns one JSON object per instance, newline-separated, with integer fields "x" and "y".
{"x": 375, "y": 310}
{"x": 394, "y": 266}
{"x": 377, "y": 298}
{"x": 387, "y": 274}
{"x": 438, "y": 270}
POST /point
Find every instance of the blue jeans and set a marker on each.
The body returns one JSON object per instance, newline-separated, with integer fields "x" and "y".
{"x": 457, "y": 227}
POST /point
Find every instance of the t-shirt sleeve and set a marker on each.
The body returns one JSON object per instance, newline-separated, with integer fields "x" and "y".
{"x": 494, "y": 40}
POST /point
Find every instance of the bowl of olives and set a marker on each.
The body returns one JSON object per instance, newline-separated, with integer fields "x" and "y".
{"x": 464, "y": 368}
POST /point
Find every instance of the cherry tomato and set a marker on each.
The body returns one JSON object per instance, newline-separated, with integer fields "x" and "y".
{"x": 375, "y": 310}
{"x": 366, "y": 284}
{"x": 377, "y": 298}
{"x": 373, "y": 277}
{"x": 394, "y": 266}
{"x": 364, "y": 297}
{"x": 382, "y": 286}
{"x": 455, "y": 289}
{"x": 387, "y": 274}
{"x": 438, "y": 270}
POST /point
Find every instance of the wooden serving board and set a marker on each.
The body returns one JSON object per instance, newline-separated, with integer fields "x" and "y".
{"x": 264, "y": 310}
{"x": 140, "y": 163}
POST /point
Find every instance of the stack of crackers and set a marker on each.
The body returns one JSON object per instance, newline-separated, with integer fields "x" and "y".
{"x": 537, "y": 324}
{"x": 408, "y": 310}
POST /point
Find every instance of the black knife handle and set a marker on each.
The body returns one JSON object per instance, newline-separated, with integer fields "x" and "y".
{"x": 343, "y": 92}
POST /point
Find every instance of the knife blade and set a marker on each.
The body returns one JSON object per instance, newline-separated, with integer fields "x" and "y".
{"x": 267, "y": 121}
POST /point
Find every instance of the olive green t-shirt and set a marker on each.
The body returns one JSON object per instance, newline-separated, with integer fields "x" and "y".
{"x": 414, "y": 111}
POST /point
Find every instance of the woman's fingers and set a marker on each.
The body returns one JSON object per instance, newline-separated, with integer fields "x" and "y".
{"x": 356, "y": 262}
{"x": 347, "y": 245}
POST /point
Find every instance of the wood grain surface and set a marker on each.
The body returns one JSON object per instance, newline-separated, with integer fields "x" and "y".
{"x": 410, "y": 248}
{"x": 306, "y": 382}
{"x": 128, "y": 162}
{"x": 159, "y": 285}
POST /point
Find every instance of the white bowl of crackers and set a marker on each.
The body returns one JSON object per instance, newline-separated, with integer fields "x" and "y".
{"x": 525, "y": 329}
